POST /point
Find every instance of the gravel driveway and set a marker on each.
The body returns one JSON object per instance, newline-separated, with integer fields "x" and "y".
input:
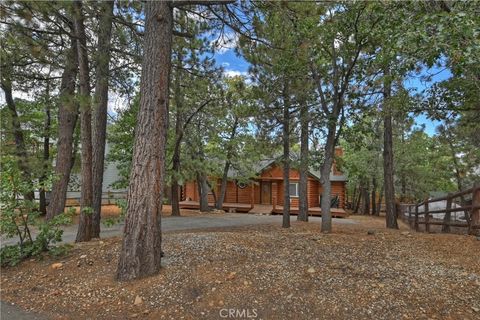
{"x": 214, "y": 221}
{"x": 226, "y": 220}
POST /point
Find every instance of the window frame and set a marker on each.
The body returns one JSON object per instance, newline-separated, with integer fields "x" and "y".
{"x": 296, "y": 189}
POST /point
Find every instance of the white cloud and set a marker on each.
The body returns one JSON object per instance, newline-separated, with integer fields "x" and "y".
{"x": 234, "y": 73}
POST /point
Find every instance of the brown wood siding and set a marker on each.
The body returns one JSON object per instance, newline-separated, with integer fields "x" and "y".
{"x": 191, "y": 190}
{"x": 338, "y": 188}
{"x": 256, "y": 190}
{"x": 231, "y": 193}
{"x": 275, "y": 174}
{"x": 244, "y": 195}
{"x": 313, "y": 193}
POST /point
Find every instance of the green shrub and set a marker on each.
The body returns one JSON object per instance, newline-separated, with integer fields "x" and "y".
{"x": 122, "y": 204}
{"x": 18, "y": 217}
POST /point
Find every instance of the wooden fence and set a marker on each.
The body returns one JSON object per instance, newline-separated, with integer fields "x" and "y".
{"x": 411, "y": 214}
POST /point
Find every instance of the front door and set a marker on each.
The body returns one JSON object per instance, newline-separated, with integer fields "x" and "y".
{"x": 266, "y": 196}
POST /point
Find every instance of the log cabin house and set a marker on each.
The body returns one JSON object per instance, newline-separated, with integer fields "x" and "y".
{"x": 264, "y": 194}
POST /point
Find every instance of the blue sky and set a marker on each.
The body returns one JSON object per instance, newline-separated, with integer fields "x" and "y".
{"x": 235, "y": 64}
{"x": 418, "y": 85}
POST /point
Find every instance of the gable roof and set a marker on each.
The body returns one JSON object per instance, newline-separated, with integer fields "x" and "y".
{"x": 264, "y": 164}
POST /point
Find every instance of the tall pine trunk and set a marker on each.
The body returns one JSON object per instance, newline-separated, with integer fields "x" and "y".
{"x": 358, "y": 199}
{"x": 303, "y": 184}
{"x": 286, "y": 159}
{"x": 175, "y": 186}
{"x": 46, "y": 152}
{"x": 354, "y": 197}
{"x": 366, "y": 197}
{"x": 379, "y": 204}
{"x": 374, "y": 196}
{"x": 140, "y": 255}
{"x": 325, "y": 170}
{"x": 100, "y": 104}
{"x": 84, "y": 232}
{"x": 67, "y": 120}
{"x": 388, "y": 170}
{"x": 178, "y": 96}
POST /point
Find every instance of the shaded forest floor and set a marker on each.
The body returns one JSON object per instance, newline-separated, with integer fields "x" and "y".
{"x": 266, "y": 271}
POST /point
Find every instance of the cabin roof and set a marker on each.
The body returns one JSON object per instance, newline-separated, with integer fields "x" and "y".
{"x": 265, "y": 164}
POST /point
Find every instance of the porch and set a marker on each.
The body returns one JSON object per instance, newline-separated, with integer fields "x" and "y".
{"x": 313, "y": 211}
{"x": 227, "y": 206}
{"x": 263, "y": 209}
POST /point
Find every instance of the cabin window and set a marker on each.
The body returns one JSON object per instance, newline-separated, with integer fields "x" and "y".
{"x": 294, "y": 189}
{"x": 241, "y": 185}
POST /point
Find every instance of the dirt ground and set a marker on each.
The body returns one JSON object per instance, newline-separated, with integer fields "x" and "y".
{"x": 359, "y": 271}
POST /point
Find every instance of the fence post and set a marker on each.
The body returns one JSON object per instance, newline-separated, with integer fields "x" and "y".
{"x": 410, "y": 216}
{"x": 446, "y": 218}
{"x": 475, "y": 213}
{"x": 427, "y": 218}
{"x": 416, "y": 217}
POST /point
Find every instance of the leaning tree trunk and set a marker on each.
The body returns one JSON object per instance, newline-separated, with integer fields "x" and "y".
{"x": 67, "y": 120}
{"x": 84, "y": 232}
{"x": 286, "y": 160}
{"x": 303, "y": 184}
{"x": 388, "y": 170}
{"x": 100, "y": 104}
{"x": 140, "y": 255}
{"x": 20, "y": 149}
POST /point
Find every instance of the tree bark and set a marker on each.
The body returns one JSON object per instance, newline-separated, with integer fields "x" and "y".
{"x": 354, "y": 197}
{"x": 67, "y": 120}
{"x": 84, "y": 232}
{"x": 223, "y": 185}
{"x": 379, "y": 204}
{"x": 140, "y": 255}
{"x": 178, "y": 96}
{"x": 286, "y": 159}
{"x": 46, "y": 152}
{"x": 374, "y": 196}
{"x": 20, "y": 148}
{"x": 325, "y": 170}
{"x": 366, "y": 198}
{"x": 100, "y": 110}
{"x": 358, "y": 200}
{"x": 388, "y": 169}
{"x": 203, "y": 191}
{"x": 303, "y": 183}
{"x": 175, "y": 186}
